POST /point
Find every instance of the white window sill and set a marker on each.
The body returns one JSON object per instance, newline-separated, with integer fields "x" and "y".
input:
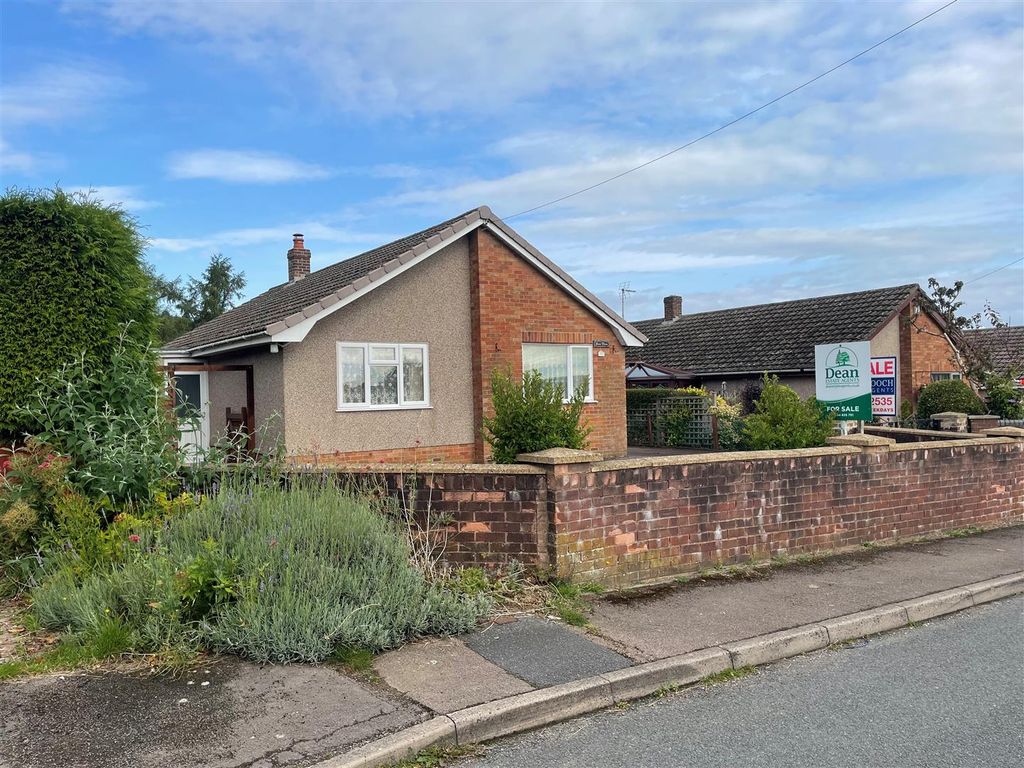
{"x": 389, "y": 407}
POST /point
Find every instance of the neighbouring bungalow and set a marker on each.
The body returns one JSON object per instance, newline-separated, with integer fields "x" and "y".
{"x": 1002, "y": 348}
{"x": 728, "y": 349}
{"x": 388, "y": 356}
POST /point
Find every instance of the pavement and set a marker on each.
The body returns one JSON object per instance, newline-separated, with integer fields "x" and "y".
{"x": 228, "y": 715}
{"x": 539, "y": 669}
{"x": 945, "y": 694}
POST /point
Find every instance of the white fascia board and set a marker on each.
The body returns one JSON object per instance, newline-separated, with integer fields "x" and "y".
{"x": 299, "y": 331}
{"x": 623, "y": 335}
{"x": 244, "y": 342}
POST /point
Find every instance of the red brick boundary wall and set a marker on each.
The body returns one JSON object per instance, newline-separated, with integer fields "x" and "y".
{"x": 628, "y": 521}
{"x": 493, "y": 515}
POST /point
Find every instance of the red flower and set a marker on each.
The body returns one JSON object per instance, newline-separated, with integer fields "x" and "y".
{"x": 134, "y": 538}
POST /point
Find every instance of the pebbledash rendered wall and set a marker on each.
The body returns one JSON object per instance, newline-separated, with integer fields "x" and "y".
{"x": 628, "y": 521}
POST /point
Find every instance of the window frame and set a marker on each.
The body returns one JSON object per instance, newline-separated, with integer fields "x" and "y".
{"x": 589, "y": 397}
{"x": 946, "y": 376}
{"x": 366, "y": 405}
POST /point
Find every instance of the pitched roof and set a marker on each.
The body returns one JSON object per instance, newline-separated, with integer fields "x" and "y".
{"x": 767, "y": 337}
{"x": 288, "y": 306}
{"x": 1004, "y": 346}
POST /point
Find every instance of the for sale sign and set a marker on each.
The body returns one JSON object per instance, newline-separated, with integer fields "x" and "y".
{"x": 842, "y": 379}
{"x": 883, "y": 386}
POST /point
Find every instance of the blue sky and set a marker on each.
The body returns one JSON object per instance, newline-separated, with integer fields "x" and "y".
{"x": 225, "y": 127}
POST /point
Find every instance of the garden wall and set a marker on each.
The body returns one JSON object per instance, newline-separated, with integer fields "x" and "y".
{"x": 492, "y": 515}
{"x": 628, "y": 521}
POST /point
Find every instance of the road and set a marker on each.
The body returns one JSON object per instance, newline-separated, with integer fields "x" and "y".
{"x": 947, "y": 693}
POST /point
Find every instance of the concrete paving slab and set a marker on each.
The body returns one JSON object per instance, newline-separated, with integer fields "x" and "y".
{"x": 689, "y": 617}
{"x": 445, "y": 675}
{"x": 544, "y": 652}
{"x": 244, "y": 716}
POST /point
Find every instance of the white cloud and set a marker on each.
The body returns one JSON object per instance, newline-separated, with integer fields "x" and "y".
{"x": 127, "y": 197}
{"x": 315, "y": 232}
{"x": 53, "y": 95}
{"x": 16, "y": 161}
{"x": 242, "y": 166}
{"x": 57, "y": 93}
{"x": 423, "y": 58}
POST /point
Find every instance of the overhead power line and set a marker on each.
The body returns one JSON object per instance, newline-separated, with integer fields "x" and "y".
{"x": 735, "y": 120}
{"x": 998, "y": 269}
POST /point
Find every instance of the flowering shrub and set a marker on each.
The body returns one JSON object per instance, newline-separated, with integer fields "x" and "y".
{"x": 730, "y": 423}
{"x": 112, "y": 421}
{"x": 271, "y": 573}
{"x": 33, "y": 478}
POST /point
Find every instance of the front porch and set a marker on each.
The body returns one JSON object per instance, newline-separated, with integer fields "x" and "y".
{"x": 223, "y": 398}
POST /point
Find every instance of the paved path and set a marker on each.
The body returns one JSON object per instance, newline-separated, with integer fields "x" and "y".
{"x": 244, "y": 716}
{"x": 263, "y": 716}
{"x": 681, "y": 620}
{"x": 948, "y": 693}
{"x": 504, "y": 659}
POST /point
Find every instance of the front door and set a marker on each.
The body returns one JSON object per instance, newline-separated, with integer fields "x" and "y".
{"x": 192, "y": 405}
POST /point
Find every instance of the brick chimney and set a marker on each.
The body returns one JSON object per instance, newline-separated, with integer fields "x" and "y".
{"x": 673, "y": 307}
{"x": 298, "y": 259}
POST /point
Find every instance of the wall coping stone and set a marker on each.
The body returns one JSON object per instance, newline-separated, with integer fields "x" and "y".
{"x": 883, "y": 431}
{"x": 1014, "y": 432}
{"x": 424, "y": 468}
{"x": 559, "y": 456}
{"x": 724, "y": 456}
{"x": 861, "y": 441}
{"x": 954, "y": 443}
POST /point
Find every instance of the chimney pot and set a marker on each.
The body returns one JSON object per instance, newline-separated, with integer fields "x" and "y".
{"x": 673, "y": 307}
{"x": 298, "y": 258}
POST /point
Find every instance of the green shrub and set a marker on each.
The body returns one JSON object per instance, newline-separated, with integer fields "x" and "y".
{"x": 532, "y": 417}
{"x": 112, "y": 420}
{"x": 675, "y": 424}
{"x": 782, "y": 420}
{"x": 270, "y": 573}
{"x": 639, "y": 396}
{"x": 31, "y": 480}
{"x": 71, "y": 276}
{"x": 730, "y": 424}
{"x": 1003, "y": 398}
{"x": 950, "y": 395}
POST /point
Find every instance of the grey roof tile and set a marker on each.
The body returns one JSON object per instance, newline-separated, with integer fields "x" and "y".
{"x": 286, "y": 305}
{"x": 1004, "y": 346}
{"x": 766, "y": 337}
{"x": 288, "y": 300}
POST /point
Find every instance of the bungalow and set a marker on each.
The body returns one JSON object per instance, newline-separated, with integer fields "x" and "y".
{"x": 1000, "y": 349}
{"x": 388, "y": 355}
{"x": 730, "y": 348}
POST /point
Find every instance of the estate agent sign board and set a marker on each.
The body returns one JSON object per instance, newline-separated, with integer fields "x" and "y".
{"x": 842, "y": 379}
{"x": 883, "y": 385}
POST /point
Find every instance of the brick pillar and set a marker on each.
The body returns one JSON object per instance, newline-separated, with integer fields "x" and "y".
{"x": 566, "y": 470}
{"x": 479, "y": 444}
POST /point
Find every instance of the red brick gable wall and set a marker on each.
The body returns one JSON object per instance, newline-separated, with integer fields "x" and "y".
{"x": 513, "y": 303}
{"x": 924, "y": 350}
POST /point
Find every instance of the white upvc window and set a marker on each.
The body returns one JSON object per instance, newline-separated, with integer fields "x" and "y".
{"x": 942, "y": 376}
{"x": 570, "y": 366}
{"x": 382, "y": 376}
